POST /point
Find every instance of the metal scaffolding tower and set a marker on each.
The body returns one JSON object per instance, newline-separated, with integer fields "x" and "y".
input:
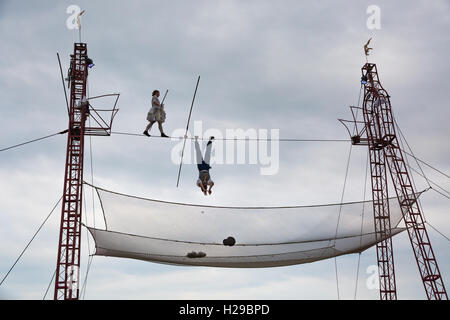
{"x": 377, "y": 131}
{"x": 69, "y": 248}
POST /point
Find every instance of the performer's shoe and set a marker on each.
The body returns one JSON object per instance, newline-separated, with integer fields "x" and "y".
{"x": 146, "y": 133}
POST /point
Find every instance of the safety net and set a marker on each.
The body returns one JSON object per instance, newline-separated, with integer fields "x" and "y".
{"x": 236, "y": 237}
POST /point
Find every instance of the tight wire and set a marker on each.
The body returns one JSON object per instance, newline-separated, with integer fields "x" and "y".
{"x": 236, "y": 139}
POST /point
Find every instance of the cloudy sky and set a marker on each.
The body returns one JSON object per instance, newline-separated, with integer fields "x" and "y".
{"x": 290, "y": 65}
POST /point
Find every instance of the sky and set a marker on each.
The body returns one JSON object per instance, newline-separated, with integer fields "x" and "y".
{"x": 294, "y": 66}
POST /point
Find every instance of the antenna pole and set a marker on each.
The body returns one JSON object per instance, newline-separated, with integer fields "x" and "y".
{"x": 187, "y": 128}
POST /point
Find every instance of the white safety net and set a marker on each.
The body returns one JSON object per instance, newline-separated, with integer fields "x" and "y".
{"x": 187, "y": 234}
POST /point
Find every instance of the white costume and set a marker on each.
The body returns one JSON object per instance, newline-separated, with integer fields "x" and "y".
{"x": 157, "y": 112}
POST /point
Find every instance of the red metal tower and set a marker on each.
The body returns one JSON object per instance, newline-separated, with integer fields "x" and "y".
{"x": 379, "y": 134}
{"x": 69, "y": 248}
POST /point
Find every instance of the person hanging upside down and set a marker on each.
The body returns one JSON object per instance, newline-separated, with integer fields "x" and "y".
{"x": 204, "y": 179}
{"x": 156, "y": 114}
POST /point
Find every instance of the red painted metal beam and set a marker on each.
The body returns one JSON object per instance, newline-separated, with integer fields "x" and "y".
{"x": 69, "y": 247}
{"x": 385, "y": 152}
{"x": 380, "y": 194}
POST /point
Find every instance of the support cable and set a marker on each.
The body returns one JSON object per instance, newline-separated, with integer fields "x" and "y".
{"x": 49, "y": 285}
{"x": 401, "y": 138}
{"x": 437, "y": 231}
{"x": 442, "y": 194}
{"x": 64, "y": 86}
{"x": 432, "y": 182}
{"x": 92, "y": 167}
{"x": 83, "y": 290}
{"x": 342, "y": 199}
{"x": 38, "y": 139}
{"x": 362, "y": 222}
{"x": 29, "y": 242}
{"x": 339, "y": 218}
{"x": 427, "y": 164}
{"x": 88, "y": 244}
{"x": 422, "y": 174}
{"x": 90, "y": 257}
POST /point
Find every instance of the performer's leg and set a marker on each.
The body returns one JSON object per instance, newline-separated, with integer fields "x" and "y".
{"x": 149, "y": 126}
{"x": 160, "y": 127}
{"x": 208, "y": 152}
{"x": 198, "y": 153}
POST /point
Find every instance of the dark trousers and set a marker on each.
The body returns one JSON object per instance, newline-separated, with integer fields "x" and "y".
{"x": 203, "y": 163}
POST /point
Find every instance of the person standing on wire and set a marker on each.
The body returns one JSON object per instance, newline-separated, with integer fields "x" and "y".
{"x": 156, "y": 114}
{"x": 204, "y": 179}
